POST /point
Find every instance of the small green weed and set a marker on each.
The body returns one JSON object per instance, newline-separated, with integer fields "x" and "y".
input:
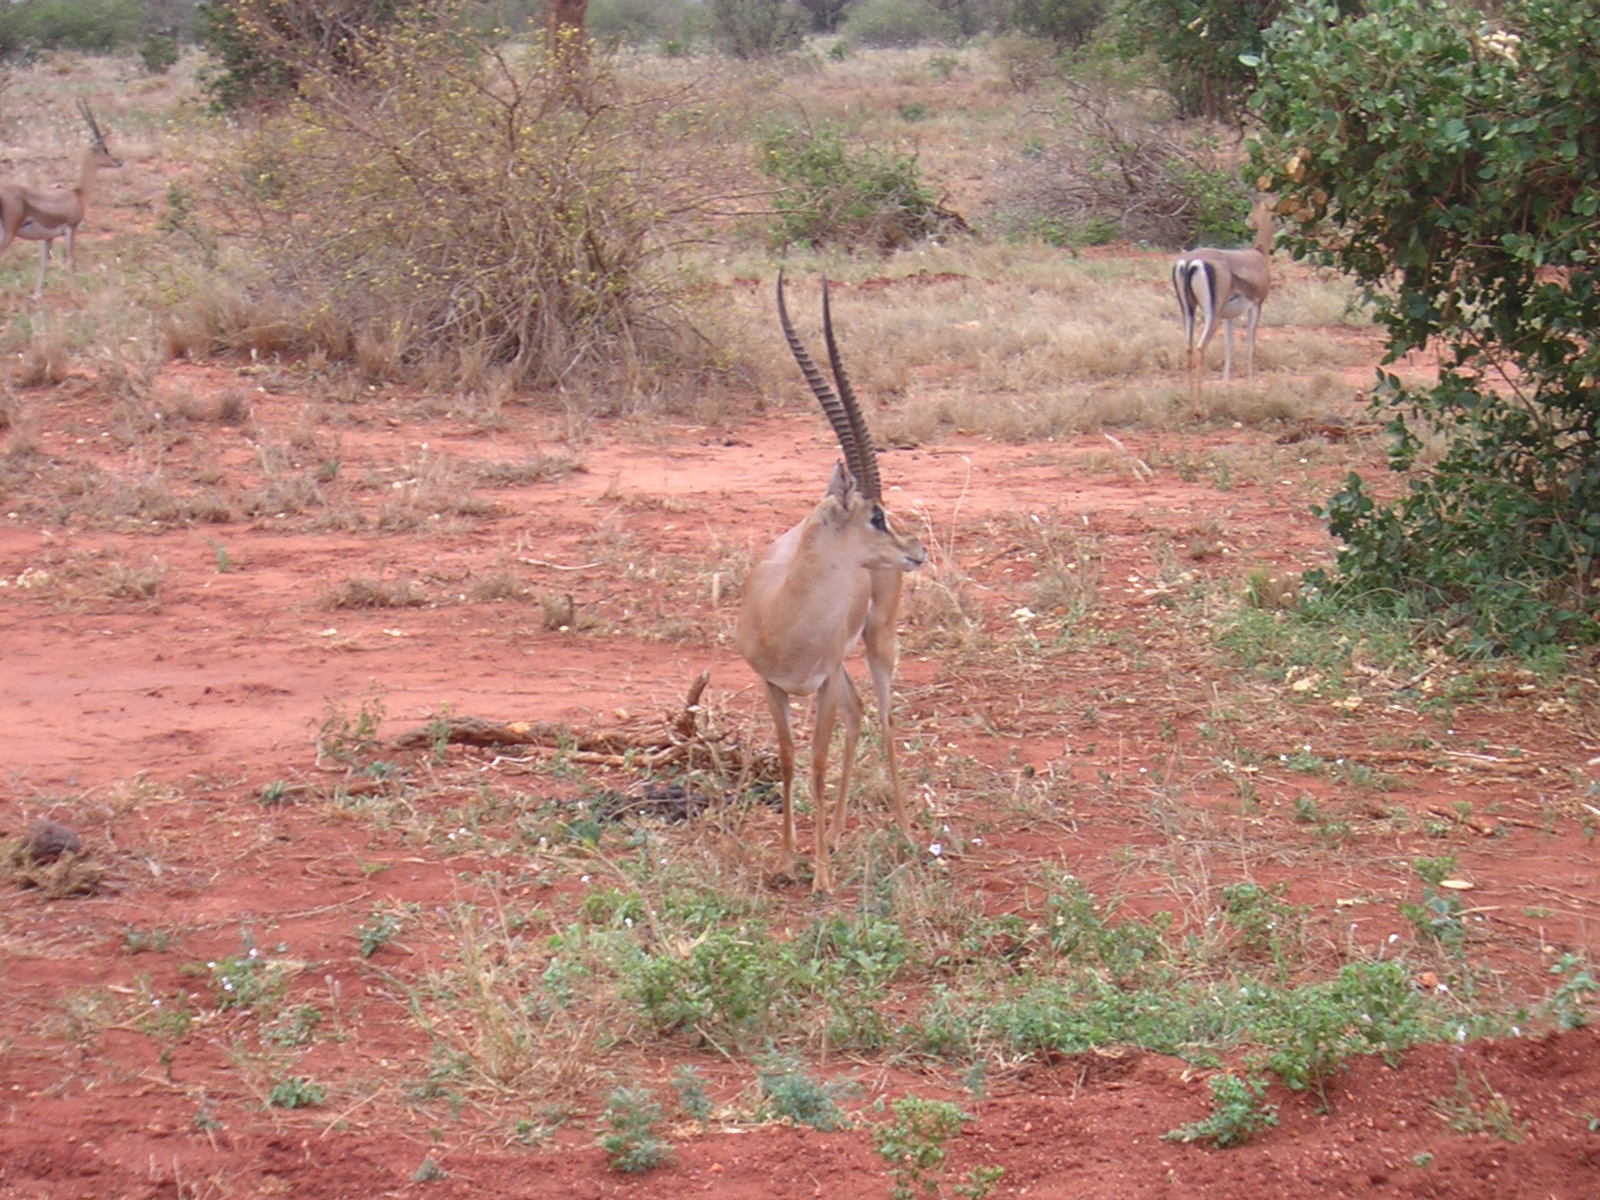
{"x": 376, "y": 932}
{"x": 1468, "y": 1113}
{"x": 1263, "y": 923}
{"x": 245, "y": 980}
{"x": 1569, "y": 1005}
{"x": 691, "y": 1089}
{"x": 1309, "y": 1032}
{"x": 1437, "y": 918}
{"x": 297, "y": 1027}
{"x": 633, "y": 1146}
{"x": 140, "y": 941}
{"x": 1329, "y": 830}
{"x": 1238, "y": 1113}
{"x": 168, "y": 1020}
{"x": 297, "y": 1092}
{"x": 345, "y": 737}
{"x": 429, "y": 1172}
{"x": 791, "y": 1094}
{"x": 1434, "y": 871}
{"x": 913, "y": 1144}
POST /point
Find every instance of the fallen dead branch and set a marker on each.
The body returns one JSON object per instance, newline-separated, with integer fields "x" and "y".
{"x": 688, "y": 739}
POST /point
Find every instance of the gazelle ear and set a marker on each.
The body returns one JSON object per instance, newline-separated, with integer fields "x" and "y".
{"x": 841, "y": 483}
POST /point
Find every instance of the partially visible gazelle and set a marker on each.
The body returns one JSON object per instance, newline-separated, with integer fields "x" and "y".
{"x": 831, "y": 580}
{"x": 44, "y": 214}
{"x": 1219, "y": 285}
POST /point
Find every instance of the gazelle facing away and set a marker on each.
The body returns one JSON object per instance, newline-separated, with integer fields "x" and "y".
{"x": 44, "y": 214}
{"x": 1219, "y": 285}
{"x": 832, "y": 579}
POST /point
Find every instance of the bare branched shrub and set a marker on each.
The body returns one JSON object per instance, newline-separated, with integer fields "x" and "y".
{"x": 1025, "y": 62}
{"x": 459, "y": 205}
{"x": 1115, "y": 174}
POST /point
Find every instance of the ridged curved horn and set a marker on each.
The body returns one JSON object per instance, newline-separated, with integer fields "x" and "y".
{"x": 834, "y": 408}
{"x": 866, "y": 452}
{"x": 94, "y": 127}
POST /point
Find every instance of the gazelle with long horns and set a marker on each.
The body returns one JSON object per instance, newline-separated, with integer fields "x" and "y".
{"x": 1219, "y": 285}
{"x": 44, "y": 214}
{"x": 833, "y": 579}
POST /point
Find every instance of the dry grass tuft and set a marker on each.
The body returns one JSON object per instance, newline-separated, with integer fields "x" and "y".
{"x": 92, "y": 577}
{"x": 499, "y": 1020}
{"x": 370, "y": 591}
{"x": 51, "y": 858}
{"x": 535, "y": 468}
{"x": 44, "y": 359}
{"x": 68, "y": 875}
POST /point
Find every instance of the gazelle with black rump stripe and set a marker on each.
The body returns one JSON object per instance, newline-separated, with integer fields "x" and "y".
{"x": 832, "y": 580}
{"x": 1219, "y": 285}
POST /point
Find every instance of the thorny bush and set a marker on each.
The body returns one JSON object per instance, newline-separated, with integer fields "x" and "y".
{"x": 473, "y": 206}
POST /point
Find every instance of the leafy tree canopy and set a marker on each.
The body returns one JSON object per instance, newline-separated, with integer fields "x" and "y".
{"x": 1453, "y": 167}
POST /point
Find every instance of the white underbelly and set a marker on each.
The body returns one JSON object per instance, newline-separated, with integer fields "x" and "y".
{"x": 35, "y": 232}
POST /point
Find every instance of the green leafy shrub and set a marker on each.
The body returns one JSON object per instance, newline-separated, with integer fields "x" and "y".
{"x": 734, "y": 983}
{"x": 1065, "y": 22}
{"x": 756, "y": 28}
{"x": 97, "y": 26}
{"x": 1453, "y": 168}
{"x": 158, "y": 54}
{"x": 898, "y": 23}
{"x": 677, "y": 23}
{"x": 1111, "y": 172}
{"x": 265, "y": 48}
{"x": 1204, "y": 48}
{"x": 828, "y": 196}
{"x": 1309, "y": 1032}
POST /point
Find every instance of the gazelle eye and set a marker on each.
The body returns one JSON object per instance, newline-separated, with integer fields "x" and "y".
{"x": 879, "y": 522}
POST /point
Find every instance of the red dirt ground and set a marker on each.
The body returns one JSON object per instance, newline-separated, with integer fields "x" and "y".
{"x": 152, "y": 723}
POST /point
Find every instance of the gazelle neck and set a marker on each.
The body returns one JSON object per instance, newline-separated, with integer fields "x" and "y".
{"x": 88, "y": 169}
{"x": 1261, "y": 219}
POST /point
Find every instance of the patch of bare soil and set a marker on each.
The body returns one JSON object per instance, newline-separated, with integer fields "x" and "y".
{"x": 179, "y": 689}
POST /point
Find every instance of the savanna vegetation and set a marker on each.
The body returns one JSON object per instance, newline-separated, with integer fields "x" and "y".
{"x": 394, "y": 199}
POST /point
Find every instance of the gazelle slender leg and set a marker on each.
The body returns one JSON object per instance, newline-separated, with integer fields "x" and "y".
{"x": 1250, "y": 327}
{"x": 1227, "y": 350}
{"x": 851, "y": 708}
{"x": 778, "y": 702}
{"x": 827, "y": 715}
{"x": 878, "y": 640}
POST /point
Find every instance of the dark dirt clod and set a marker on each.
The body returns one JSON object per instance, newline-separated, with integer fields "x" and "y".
{"x": 48, "y": 840}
